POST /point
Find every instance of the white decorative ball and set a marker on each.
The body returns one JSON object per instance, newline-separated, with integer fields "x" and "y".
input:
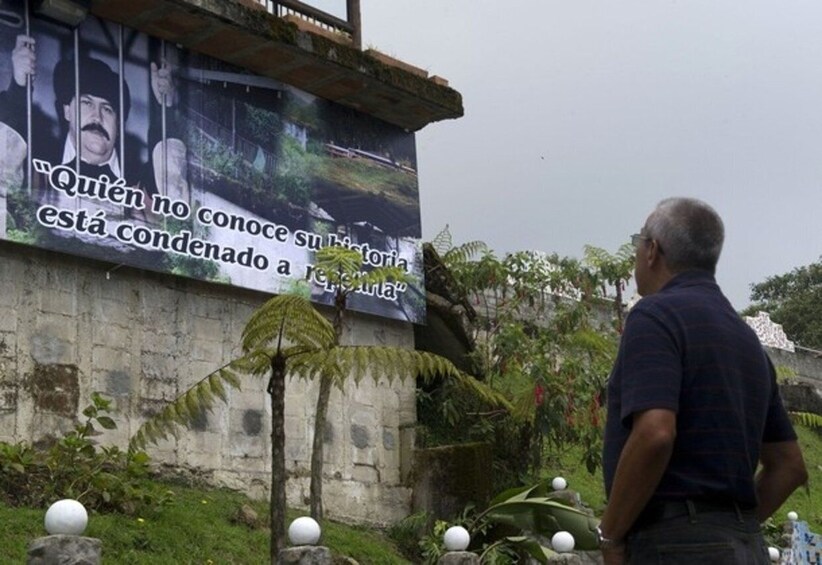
{"x": 559, "y": 483}
{"x": 304, "y": 531}
{"x": 773, "y": 553}
{"x": 67, "y": 517}
{"x": 456, "y": 538}
{"x": 793, "y": 516}
{"x": 562, "y": 542}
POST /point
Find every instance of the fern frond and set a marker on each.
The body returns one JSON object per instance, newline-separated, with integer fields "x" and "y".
{"x": 483, "y": 391}
{"x": 379, "y": 362}
{"x": 338, "y": 263}
{"x": 524, "y": 408}
{"x": 187, "y": 406}
{"x": 463, "y": 253}
{"x": 595, "y": 256}
{"x": 626, "y": 253}
{"x": 806, "y": 419}
{"x": 293, "y": 316}
{"x": 442, "y": 242}
{"x": 215, "y": 384}
{"x": 380, "y": 275}
{"x": 309, "y": 365}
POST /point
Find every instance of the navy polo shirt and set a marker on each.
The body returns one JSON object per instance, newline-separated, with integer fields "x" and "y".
{"x": 686, "y": 349}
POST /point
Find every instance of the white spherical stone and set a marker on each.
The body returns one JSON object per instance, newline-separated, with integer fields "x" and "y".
{"x": 304, "y": 531}
{"x": 67, "y": 517}
{"x": 456, "y": 538}
{"x": 773, "y": 553}
{"x": 559, "y": 483}
{"x": 562, "y": 542}
{"x": 793, "y": 516}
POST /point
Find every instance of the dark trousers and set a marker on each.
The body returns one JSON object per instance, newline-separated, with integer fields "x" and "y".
{"x": 680, "y": 533}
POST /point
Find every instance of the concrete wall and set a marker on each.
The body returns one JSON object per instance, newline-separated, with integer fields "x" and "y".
{"x": 806, "y": 364}
{"x": 70, "y": 326}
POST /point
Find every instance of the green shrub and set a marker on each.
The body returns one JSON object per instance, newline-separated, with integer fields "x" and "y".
{"x": 102, "y": 478}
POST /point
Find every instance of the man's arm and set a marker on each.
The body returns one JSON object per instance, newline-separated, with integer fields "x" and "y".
{"x": 783, "y": 471}
{"x": 166, "y": 170}
{"x": 640, "y": 468}
{"x": 13, "y": 100}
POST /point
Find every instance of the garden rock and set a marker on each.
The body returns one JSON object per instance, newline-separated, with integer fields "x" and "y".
{"x": 246, "y": 516}
{"x": 64, "y": 550}
{"x": 305, "y": 555}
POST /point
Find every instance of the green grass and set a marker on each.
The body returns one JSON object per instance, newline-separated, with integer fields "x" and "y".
{"x": 369, "y": 178}
{"x": 196, "y": 528}
{"x": 806, "y": 502}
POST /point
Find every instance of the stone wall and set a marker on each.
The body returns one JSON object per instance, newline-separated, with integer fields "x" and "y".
{"x": 71, "y": 326}
{"x": 807, "y": 365}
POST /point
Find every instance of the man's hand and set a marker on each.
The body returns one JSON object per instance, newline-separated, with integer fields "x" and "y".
{"x": 23, "y": 59}
{"x": 783, "y": 470}
{"x": 162, "y": 84}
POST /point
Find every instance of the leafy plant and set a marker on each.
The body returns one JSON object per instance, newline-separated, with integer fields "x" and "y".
{"x": 538, "y": 510}
{"x": 544, "y": 337}
{"x": 515, "y": 525}
{"x": 74, "y": 466}
{"x": 408, "y": 533}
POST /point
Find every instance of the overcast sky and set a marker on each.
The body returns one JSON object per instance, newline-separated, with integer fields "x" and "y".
{"x": 580, "y": 116}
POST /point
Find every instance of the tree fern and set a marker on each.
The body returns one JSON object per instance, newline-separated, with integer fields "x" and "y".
{"x": 287, "y": 317}
{"x": 452, "y": 255}
{"x": 288, "y": 336}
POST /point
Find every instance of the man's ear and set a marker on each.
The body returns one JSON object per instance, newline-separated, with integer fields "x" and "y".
{"x": 67, "y": 111}
{"x": 653, "y": 256}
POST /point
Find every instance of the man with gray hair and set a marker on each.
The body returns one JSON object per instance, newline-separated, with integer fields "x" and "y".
{"x": 693, "y": 409}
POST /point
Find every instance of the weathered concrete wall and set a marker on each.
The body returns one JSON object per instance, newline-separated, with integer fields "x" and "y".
{"x": 70, "y": 326}
{"x": 449, "y": 477}
{"x": 805, "y": 364}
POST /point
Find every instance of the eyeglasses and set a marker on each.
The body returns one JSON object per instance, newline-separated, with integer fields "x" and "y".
{"x": 637, "y": 238}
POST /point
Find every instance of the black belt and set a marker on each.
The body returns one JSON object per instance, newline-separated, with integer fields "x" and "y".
{"x": 666, "y": 510}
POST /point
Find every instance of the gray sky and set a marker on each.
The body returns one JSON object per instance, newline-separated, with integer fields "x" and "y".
{"x": 580, "y": 116}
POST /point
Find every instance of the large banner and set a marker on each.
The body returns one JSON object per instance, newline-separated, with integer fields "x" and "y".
{"x": 190, "y": 166}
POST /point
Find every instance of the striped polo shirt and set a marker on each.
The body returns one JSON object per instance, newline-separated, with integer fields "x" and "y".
{"x": 686, "y": 349}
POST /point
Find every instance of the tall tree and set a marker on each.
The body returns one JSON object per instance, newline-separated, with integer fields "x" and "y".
{"x": 287, "y": 336}
{"x": 795, "y": 301}
{"x": 342, "y": 268}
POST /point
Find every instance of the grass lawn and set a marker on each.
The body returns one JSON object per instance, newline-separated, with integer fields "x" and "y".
{"x": 196, "y": 528}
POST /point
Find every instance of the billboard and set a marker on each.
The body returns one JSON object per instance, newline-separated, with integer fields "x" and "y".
{"x": 193, "y": 167}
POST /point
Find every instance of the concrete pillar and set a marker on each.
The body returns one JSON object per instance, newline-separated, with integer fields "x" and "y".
{"x": 65, "y": 550}
{"x": 305, "y": 555}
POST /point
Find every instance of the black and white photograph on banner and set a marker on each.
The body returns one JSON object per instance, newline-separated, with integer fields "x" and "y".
{"x": 121, "y": 147}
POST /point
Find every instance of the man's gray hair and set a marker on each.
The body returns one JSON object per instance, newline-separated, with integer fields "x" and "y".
{"x": 689, "y": 232}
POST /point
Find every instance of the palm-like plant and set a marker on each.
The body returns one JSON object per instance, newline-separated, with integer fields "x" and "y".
{"x": 532, "y": 514}
{"x": 288, "y": 336}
